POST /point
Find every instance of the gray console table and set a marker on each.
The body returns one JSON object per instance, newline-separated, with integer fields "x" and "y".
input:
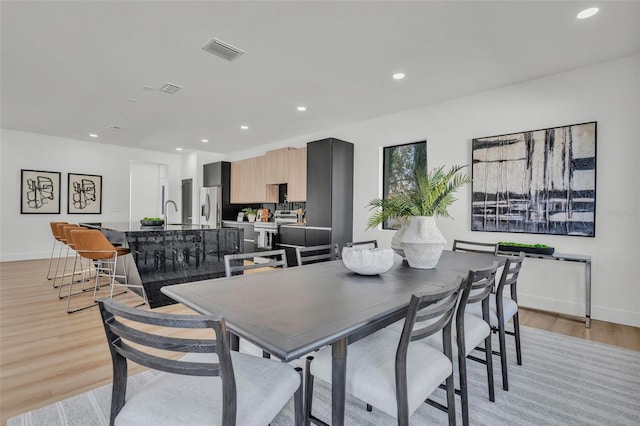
{"x": 568, "y": 258}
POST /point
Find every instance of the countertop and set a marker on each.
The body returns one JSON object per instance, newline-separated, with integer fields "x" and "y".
{"x": 282, "y": 225}
{"x": 137, "y": 227}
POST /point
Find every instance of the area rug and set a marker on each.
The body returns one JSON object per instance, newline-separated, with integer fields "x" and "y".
{"x": 563, "y": 381}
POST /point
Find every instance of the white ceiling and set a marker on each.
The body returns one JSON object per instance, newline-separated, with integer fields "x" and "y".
{"x": 69, "y": 69}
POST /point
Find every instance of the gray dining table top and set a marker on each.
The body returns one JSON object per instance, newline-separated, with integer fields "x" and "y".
{"x": 293, "y": 311}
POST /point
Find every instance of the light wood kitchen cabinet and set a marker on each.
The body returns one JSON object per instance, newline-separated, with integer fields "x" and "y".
{"x": 247, "y": 181}
{"x": 256, "y": 179}
{"x": 277, "y": 165}
{"x": 297, "y": 181}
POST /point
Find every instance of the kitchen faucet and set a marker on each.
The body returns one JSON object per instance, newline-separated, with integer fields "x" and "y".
{"x": 166, "y": 211}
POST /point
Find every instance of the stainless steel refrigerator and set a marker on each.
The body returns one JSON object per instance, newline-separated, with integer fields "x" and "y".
{"x": 211, "y": 206}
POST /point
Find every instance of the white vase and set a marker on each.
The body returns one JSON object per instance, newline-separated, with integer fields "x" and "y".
{"x": 251, "y": 217}
{"x": 396, "y": 244}
{"x": 422, "y": 242}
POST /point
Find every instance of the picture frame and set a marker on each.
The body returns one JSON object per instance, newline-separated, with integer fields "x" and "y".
{"x": 84, "y": 194}
{"x": 537, "y": 182}
{"x": 39, "y": 192}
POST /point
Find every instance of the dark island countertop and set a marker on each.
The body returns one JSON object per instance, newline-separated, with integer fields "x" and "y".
{"x": 171, "y": 254}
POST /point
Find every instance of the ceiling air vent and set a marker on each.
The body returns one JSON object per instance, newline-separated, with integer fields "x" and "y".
{"x": 222, "y": 49}
{"x": 170, "y": 88}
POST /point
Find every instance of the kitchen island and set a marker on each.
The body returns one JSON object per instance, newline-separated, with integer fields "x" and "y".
{"x": 171, "y": 254}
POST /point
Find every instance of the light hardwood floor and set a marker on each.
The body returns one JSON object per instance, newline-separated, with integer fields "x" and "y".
{"x": 47, "y": 355}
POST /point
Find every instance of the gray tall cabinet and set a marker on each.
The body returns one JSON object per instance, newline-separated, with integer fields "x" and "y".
{"x": 329, "y": 191}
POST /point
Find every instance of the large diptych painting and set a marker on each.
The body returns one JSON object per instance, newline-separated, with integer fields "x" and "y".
{"x": 539, "y": 181}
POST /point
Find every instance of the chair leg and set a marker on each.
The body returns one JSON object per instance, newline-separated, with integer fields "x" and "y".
{"x": 298, "y": 401}
{"x": 516, "y": 329}
{"x": 55, "y": 275}
{"x": 308, "y": 392}
{"x": 451, "y": 400}
{"x": 503, "y": 355}
{"x": 53, "y": 249}
{"x": 464, "y": 401}
{"x": 489, "y": 357}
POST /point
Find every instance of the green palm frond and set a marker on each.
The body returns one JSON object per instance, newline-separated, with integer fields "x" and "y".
{"x": 432, "y": 194}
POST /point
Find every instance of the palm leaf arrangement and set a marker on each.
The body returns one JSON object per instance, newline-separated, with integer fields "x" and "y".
{"x": 431, "y": 195}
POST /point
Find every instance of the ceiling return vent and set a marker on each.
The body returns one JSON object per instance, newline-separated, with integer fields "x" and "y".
{"x": 170, "y": 88}
{"x": 222, "y": 49}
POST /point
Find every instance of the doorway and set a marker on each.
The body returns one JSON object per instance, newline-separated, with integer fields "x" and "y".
{"x": 187, "y": 195}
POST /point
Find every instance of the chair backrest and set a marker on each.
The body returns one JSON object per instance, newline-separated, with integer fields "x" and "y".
{"x": 314, "y": 254}
{"x": 369, "y": 243}
{"x": 235, "y": 262}
{"x": 54, "y": 229}
{"x": 475, "y": 247}
{"x": 67, "y": 233}
{"x": 136, "y": 330}
{"x": 427, "y": 315}
{"x": 509, "y": 276}
{"x": 92, "y": 244}
{"x": 61, "y": 233}
{"x": 477, "y": 289}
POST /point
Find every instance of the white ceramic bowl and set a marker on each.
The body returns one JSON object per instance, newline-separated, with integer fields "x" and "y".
{"x": 365, "y": 261}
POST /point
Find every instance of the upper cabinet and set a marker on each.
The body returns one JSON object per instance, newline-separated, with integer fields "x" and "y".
{"x": 297, "y": 182}
{"x": 247, "y": 184}
{"x": 252, "y": 178}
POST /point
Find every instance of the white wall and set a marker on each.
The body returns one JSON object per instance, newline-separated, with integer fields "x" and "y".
{"x": 28, "y": 236}
{"x": 609, "y": 94}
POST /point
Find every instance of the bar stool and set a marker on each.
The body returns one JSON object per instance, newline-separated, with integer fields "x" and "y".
{"x": 56, "y": 243}
{"x": 91, "y": 244}
{"x": 76, "y": 260}
{"x": 63, "y": 239}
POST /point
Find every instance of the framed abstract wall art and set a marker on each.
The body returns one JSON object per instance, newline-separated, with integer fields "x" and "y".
{"x": 539, "y": 181}
{"x": 39, "y": 192}
{"x": 85, "y": 194}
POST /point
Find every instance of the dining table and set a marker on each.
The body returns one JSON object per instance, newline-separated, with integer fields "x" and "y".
{"x": 291, "y": 312}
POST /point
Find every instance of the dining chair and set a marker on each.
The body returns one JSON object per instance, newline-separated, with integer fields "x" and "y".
{"x": 469, "y": 332}
{"x": 501, "y": 310}
{"x": 208, "y": 385}
{"x": 237, "y": 263}
{"x": 56, "y": 244}
{"x": 234, "y": 263}
{"x": 475, "y": 247}
{"x": 368, "y": 243}
{"x": 395, "y": 372}
{"x": 315, "y": 254}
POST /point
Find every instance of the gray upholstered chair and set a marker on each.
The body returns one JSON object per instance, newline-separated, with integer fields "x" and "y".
{"x": 209, "y": 385}
{"x": 470, "y": 331}
{"x": 475, "y": 247}
{"x": 314, "y": 254}
{"x": 501, "y": 310}
{"x": 369, "y": 243}
{"x": 234, "y": 263}
{"x": 395, "y": 372}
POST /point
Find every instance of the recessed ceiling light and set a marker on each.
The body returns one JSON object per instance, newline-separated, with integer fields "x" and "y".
{"x": 244, "y": 127}
{"x": 301, "y": 108}
{"x": 132, "y": 100}
{"x": 178, "y": 149}
{"x": 204, "y": 140}
{"x": 588, "y": 13}
{"x": 398, "y": 76}
{"x": 93, "y": 135}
